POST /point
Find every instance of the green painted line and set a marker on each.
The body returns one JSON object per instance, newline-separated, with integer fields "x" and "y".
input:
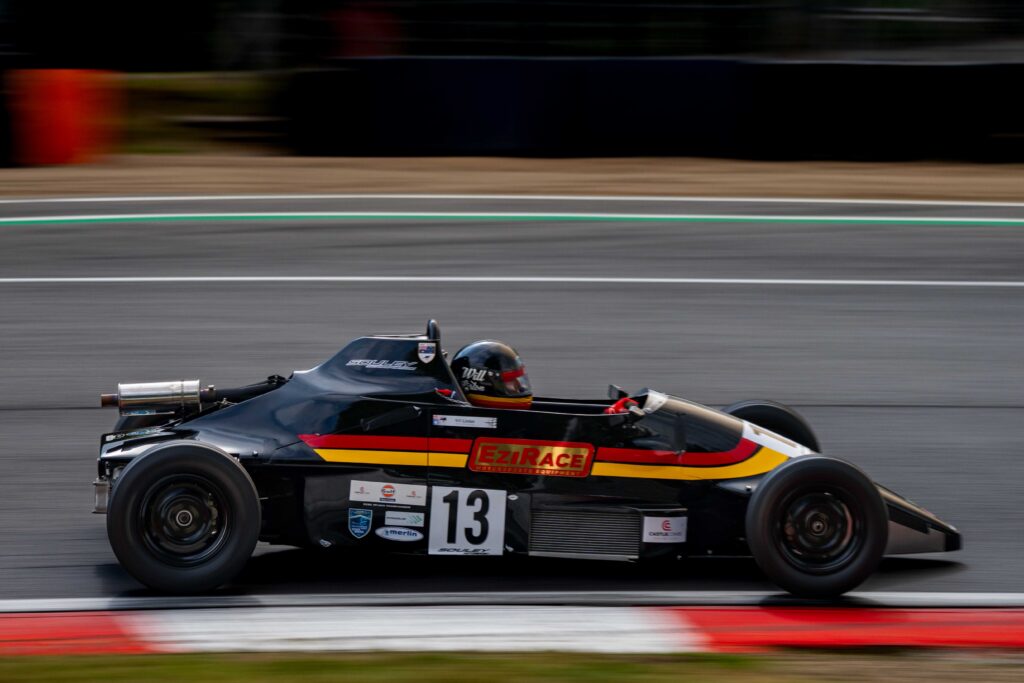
{"x": 500, "y": 217}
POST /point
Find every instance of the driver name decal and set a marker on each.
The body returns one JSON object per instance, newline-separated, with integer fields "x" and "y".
{"x": 523, "y": 456}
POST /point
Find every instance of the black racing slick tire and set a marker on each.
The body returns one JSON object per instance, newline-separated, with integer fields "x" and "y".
{"x": 817, "y": 526}
{"x": 183, "y": 518}
{"x": 777, "y": 418}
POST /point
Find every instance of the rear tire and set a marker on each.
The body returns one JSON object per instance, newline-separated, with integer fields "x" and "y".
{"x": 817, "y": 526}
{"x": 183, "y": 518}
{"x": 777, "y": 418}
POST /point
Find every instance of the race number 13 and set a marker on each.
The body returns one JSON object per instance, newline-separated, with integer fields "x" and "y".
{"x": 466, "y": 521}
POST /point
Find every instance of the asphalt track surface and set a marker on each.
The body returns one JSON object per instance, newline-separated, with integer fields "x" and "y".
{"x": 919, "y": 385}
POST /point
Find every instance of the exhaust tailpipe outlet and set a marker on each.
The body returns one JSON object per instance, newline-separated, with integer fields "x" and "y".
{"x": 155, "y": 398}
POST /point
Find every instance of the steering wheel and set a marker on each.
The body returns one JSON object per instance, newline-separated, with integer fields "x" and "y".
{"x": 623, "y": 405}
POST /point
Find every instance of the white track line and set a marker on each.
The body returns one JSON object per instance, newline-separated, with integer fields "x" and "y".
{"x": 901, "y": 599}
{"x": 509, "y": 280}
{"x": 514, "y": 628}
{"x": 508, "y": 197}
{"x": 511, "y": 215}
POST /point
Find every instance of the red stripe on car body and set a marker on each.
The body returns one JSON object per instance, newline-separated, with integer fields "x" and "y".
{"x": 639, "y": 456}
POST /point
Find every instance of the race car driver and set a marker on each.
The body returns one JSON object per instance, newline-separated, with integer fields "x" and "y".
{"x": 492, "y": 375}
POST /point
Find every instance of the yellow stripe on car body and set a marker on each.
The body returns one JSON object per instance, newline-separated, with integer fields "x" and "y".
{"x": 764, "y": 460}
{"x": 447, "y": 459}
{"x": 363, "y": 457}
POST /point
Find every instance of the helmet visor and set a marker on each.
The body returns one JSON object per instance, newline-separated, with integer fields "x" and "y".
{"x": 516, "y": 382}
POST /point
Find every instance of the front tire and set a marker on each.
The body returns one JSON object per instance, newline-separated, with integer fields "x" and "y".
{"x": 183, "y": 518}
{"x": 817, "y": 526}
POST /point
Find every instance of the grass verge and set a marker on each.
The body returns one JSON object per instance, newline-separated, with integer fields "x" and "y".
{"x": 517, "y": 668}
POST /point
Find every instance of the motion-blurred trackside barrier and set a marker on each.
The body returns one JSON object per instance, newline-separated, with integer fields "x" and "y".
{"x": 505, "y": 629}
{"x": 6, "y": 134}
{"x": 660, "y": 106}
{"x": 59, "y": 116}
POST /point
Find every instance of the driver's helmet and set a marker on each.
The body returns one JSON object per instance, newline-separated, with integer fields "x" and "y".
{"x": 492, "y": 375}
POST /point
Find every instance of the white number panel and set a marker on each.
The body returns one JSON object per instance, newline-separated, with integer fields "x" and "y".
{"x": 466, "y": 521}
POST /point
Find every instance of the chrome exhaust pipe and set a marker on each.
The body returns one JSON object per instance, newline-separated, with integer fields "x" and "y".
{"x": 155, "y": 398}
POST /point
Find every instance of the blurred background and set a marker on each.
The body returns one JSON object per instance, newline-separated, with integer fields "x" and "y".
{"x": 764, "y": 79}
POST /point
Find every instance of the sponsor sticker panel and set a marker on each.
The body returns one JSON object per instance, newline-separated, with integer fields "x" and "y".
{"x": 399, "y": 518}
{"x": 387, "y": 492}
{"x": 359, "y": 521}
{"x": 528, "y": 456}
{"x": 399, "y": 533}
{"x": 664, "y": 530}
{"x": 470, "y": 421}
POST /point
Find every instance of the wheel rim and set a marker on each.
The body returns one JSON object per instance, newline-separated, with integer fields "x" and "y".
{"x": 819, "y": 530}
{"x": 184, "y": 519}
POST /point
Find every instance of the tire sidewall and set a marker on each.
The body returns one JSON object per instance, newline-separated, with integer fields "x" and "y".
{"x": 764, "y": 511}
{"x": 130, "y": 490}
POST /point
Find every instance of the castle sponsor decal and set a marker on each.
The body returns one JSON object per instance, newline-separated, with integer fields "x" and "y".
{"x": 527, "y": 456}
{"x": 664, "y": 529}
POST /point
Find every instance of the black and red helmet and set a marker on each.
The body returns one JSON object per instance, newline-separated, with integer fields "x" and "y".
{"x": 492, "y": 375}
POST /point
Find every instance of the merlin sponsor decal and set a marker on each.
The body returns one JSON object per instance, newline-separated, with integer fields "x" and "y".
{"x": 523, "y": 456}
{"x": 426, "y": 351}
{"x": 664, "y": 529}
{"x": 398, "y": 533}
{"x": 382, "y": 364}
{"x": 397, "y": 518}
{"x": 359, "y": 522}
{"x": 470, "y": 421}
{"x": 386, "y": 492}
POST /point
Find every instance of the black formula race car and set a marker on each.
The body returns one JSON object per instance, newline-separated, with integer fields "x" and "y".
{"x": 377, "y": 450}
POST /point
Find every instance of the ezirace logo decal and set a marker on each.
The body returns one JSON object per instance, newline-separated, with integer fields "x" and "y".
{"x": 523, "y": 456}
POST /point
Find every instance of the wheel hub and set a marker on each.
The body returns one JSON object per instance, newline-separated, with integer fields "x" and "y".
{"x": 183, "y": 519}
{"x": 818, "y": 531}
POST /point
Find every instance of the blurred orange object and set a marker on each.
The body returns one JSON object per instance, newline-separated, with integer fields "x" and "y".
{"x": 61, "y": 116}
